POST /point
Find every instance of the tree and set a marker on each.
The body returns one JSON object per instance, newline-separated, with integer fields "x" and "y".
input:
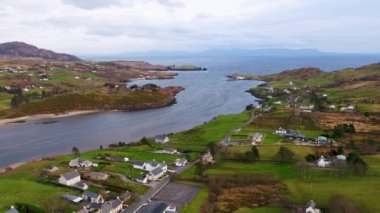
{"x": 340, "y": 150}
{"x": 284, "y": 154}
{"x": 213, "y": 147}
{"x": 310, "y": 158}
{"x": 75, "y": 151}
{"x": 253, "y": 154}
{"x": 101, "y": 147}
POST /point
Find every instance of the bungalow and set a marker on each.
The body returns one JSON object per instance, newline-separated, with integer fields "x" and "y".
{"x": 281, "y": 131}
{"x": 81, "y": 185}
{"x": 50, "y": 168}
{"x": 149, "y": 166}
{"x": 180, "y": 162}
{"x": 12, "y": 210}
{"x": 139, "y": 165}
{"x": 98, "y": 176}
{"x": 311, "y": 207}
{"x": 306, "y": 108}
{"x": 207, "y": 158}
{"x": 257, "y": 138}
{"x": 161, "y": 139}
{"x": 171, "y": 151}
{"x": 142, "y": 179}
{"x": 112, "y": 206}
{"x": 322, "y": 162}
{"x": 72, "y": 198}
{"x": 79, "y": 162}
{"x": 155, "y": 174}
{"x": 70, "y": 179}
{"x": 93, "y": 197}
{"x": 117, "y": 158}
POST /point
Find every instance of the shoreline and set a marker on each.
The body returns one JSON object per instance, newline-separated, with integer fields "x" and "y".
{"x": 28, "y": 118}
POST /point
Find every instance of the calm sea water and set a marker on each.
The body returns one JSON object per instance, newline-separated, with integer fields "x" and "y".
{"x": 206, "y": 95}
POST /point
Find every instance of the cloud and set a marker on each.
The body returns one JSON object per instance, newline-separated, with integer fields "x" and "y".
{"x": 111, "y": 26}
{"x": 92, "y": 4}
{"x": 171, "y": 3}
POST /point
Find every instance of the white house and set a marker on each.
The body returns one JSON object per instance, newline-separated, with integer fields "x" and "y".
{"x": 257, "y": 138}
{"x": 311, "y": 207}
{"x": 155, "y": 174}
{"x": 322, "y": 162}
{"x": 149, "y": 166}
{"x": 207, "y": 158}
{"x": 112, "y": 206}
{"x": 161, "y": 139}
{"x": 139, "y": 165}
{"x": 180, "y": 162}
{"x": 70, "y": 179}
{"x": 98, "y": 176}
{"x": 93, "y": 197}
{"x": 79, "y": 162}
{"x": 142, "y": 179}
{"x": 281, "y": 131}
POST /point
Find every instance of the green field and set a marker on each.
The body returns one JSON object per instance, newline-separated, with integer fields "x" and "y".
{"x": 283, "y": 171}
{"x": 197, "y": 202}
{"x": 197, "y": 139}
{"x": 259, "y": 210}
{"x": 362, "y": 191}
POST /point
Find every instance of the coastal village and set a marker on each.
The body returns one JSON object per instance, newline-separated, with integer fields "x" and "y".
{"x": 309, "y": 144}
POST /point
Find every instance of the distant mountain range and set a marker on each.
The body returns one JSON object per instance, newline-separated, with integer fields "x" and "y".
{"x": 219, "y": 53}
{"x": 21, "y": 49}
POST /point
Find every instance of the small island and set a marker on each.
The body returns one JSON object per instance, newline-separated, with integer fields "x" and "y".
{"x": 242, "y": 76}
{"x": 186, "y": 68}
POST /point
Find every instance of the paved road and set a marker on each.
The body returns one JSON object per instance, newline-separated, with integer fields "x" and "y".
{"x": 147, "y": 196}
{"x": 152, "y": 192}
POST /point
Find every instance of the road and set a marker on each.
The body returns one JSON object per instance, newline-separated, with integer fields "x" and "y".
{"x": 224, "y": 141}
{"x": 152, "y": 192}
{"x": 145, "y": 199}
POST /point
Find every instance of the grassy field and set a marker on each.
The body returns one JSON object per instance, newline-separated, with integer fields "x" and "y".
{"x": 282, "y": 171}
{"x": 259, "y": 210}
{"x": 197, "y": 202}
{"x": 362, "y": 191}
{"x": 268, "y": 152}
{"x": 197, "y": 139}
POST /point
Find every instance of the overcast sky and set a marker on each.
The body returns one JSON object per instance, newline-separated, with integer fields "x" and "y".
{"x": 114, "y": 26}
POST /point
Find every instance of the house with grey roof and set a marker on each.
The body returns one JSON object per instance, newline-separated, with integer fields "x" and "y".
{"x": 79, "y": 162}
{"x": 112, "y": 206}
{"x": 93, "y": 197}
{"x": 161, "y": 139}
{"x": 98, "y": 176}
{"x": 83, "y": 210}
{"x": 147, "y": 166}
{"x": 70, "y": 179}
{"x": 142, "y": 179}
{"x": 50, "y": 168}
{"x": 155, "y": 174}
{"x": 81, "y": 185}
{"x": 180, "y": 162}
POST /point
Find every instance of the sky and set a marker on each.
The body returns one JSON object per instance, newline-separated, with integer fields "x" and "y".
{"x": 115, "y": 26}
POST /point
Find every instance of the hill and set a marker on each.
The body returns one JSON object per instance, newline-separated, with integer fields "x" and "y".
{"x": 21, "y": 49}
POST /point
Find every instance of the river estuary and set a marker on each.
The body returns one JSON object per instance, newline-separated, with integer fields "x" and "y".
{"x": 206, "y": 95}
